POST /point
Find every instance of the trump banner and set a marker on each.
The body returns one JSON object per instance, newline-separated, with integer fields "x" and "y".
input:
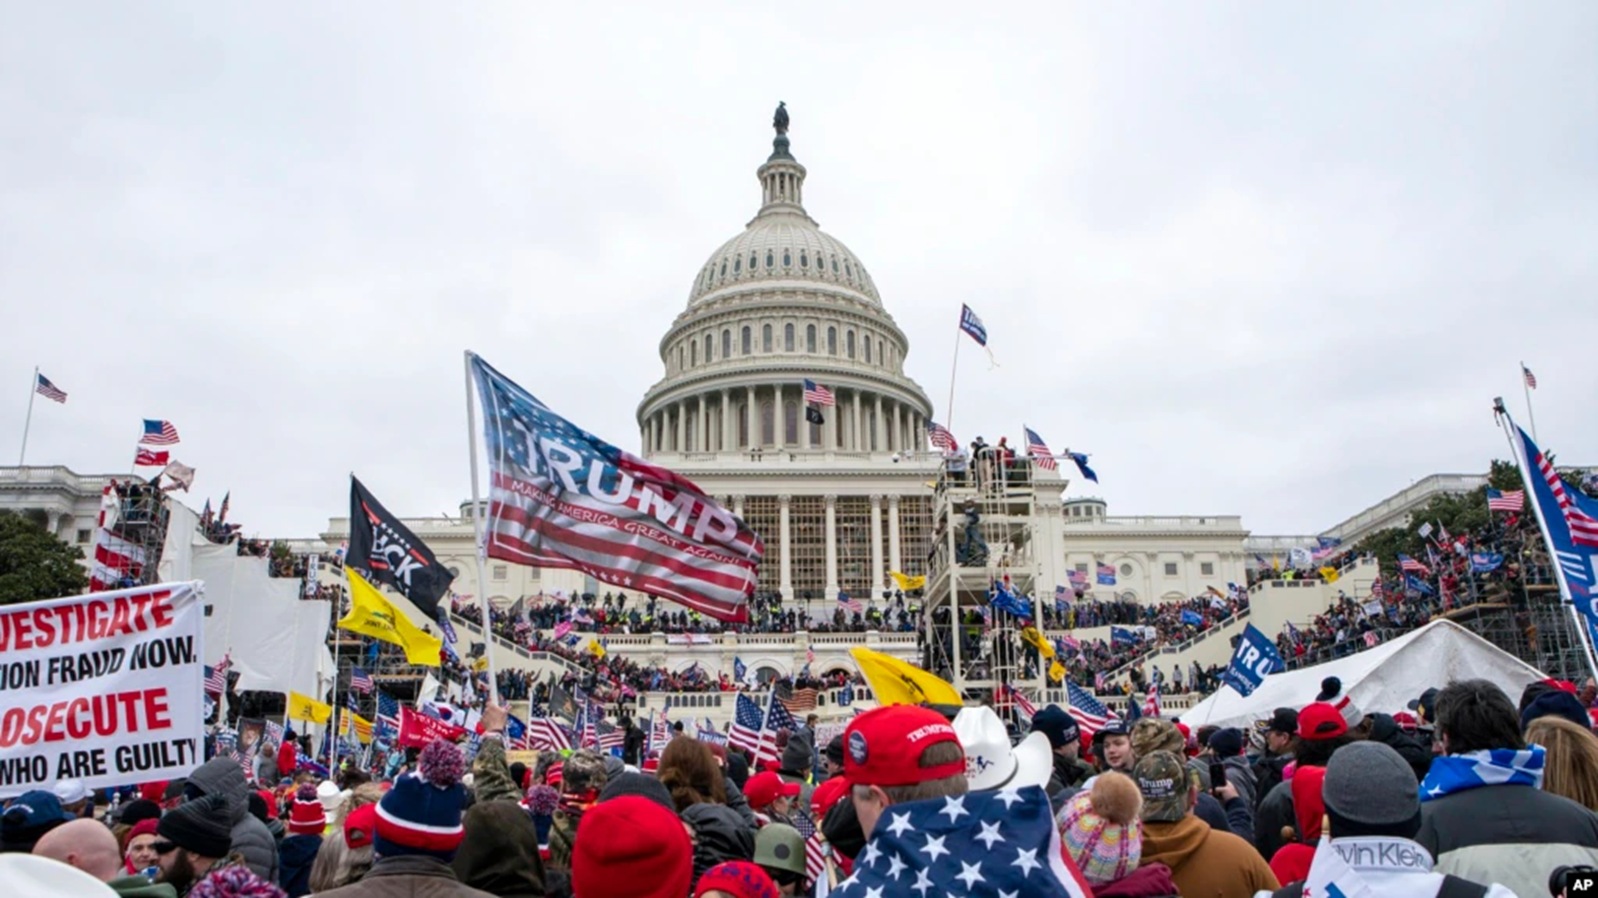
{"x": 105, "y": 688}
{"x": 1254, "y": 659}
{"x": 562, "y": 497}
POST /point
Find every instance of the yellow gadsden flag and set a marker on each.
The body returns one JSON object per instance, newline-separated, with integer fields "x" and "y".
{"x": 907, "y": 582}
{"x": 595, "y": 649}
{"x": 1056, "y": 671}
{"x": 303, "y": 707}
{"x": 896, "y": 682}
{"x": 1329, "y": 574}
{"x": 374, "y": 616}
{"x": 1032, "y": 637}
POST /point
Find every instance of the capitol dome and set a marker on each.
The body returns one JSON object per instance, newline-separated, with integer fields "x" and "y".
{"x": 779, "y": 304}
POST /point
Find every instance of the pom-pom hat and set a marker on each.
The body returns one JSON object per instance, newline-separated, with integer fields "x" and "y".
{"x": 307, "y": 817}
{"x": 1101, "y": 830}
{"x": 422, "y": 813}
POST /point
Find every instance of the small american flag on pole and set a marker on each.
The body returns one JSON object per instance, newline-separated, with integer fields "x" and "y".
{"x": 815, "y": 850}
{"x": 1531, "y": 379}
{"x": 816, "y": 394}
{"x": 1039, "y": 451}
{"x": 159, "y": 433}
{"x": 745, "y": 732}
{"x": 1410, "y": 566}
{"x": 216, "y": 677}
{"x": 360, "y": 681}
{"x": 49, "y": 390}
{"x": 1086, "y": 710}
{"x": 850, "y": 604}
{"x": 1514, "y": 500}
{"x": 941, "y": 438}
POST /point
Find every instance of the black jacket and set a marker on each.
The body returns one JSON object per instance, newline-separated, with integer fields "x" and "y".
{"x": 1069, "y": 773}
{"x": 1267, "y": 773}
{"x": 1417, "y": 754}
{"x": 1511, "y": 835}
{"x": 720, "y": 835}
{"x": 499, "y": 854}
{"x": 294, "y": 859}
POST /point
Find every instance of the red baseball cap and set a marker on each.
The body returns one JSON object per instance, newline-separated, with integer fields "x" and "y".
{"x": 1321, "y": 720}
{"x": 765, "y": 788}
{"x": 883, "y": 747}
{"x": 826, "y": 795}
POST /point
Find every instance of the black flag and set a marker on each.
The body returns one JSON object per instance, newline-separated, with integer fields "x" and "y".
{"x": 390, "y": 553}
{"x": 813, "y": 415}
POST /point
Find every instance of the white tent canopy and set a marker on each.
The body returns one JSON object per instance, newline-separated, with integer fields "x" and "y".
{"x": 1384, "y": 678}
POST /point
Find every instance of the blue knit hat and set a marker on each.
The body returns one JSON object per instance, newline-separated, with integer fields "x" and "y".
{"x": 422, "y": 813}
{"x": 1556, "y": 703}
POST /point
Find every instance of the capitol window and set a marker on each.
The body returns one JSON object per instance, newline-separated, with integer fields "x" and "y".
{"x": 737, "y": 264}
{"x": 500, "y": 571}
{"x": 753, "y": 259}
{"x": 679, "y": 358}
{"x": 745, "y": 342}
{"x": 848, "y": 344}
{"x": 810, "y": 338}
{"x": 882, "y": 357}
{"x": 726, "y": 343}
{"x": 834, "y": 264}
{"x": 832, "y": 341}
{"x": 1207, "y": 568}
{"x": 723, "y": 268}
{"x": 804, "y": 260}
{"x": 1170, "y": 569}
{"x": 787, "y": 260}
{"x": 693, "y": 354}
{"x": 765, "y": 338}
{"x": 867, "y": 348}
{"x": 708, "y": 345}
{"x": 771, "y": 261}
{"x": 787, "y": 338}
{"x": 1126, "y": 570}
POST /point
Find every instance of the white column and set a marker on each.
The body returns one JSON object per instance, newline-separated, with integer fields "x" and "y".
{"x": 754, "y": 421}
{"x": 787, "y": 549}
{"x": 728, "y": 437}
{"x": 702, "y": 428}
{"x": 682, "y": 425}
{"x": 738, "y": 506}
{"x": 903, "y": 438}
{"x": 895, "y": 563}
{"x": 876, "y": 546}
{"x": 859, "y": 444}
{"x": 832, "y": 547}
{"x": 779, "y": 426}
{"x": 879, "y": 427}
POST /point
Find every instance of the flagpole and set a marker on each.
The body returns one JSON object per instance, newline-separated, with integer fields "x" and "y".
{"x": 481, "y": 545}
{"x": 33, "y": 389}
{"x": 332, "y": 741}
{"x": 953, "y": 367}
{"x": 1531, "y": 416}
{"x": 1524, "y": 464}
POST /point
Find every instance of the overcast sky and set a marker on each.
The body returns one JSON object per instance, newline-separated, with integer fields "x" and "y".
{"x": 1262, "y": 259}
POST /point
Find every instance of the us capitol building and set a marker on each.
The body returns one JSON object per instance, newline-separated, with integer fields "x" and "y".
{"x": 840, "y": 503}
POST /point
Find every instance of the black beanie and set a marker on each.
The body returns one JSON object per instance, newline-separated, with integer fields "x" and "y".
{"x": 139, "y": 809}
{"x": 258, "y": 808}
{"x": 199, "y": 826}
{"x": 641, "y": 785}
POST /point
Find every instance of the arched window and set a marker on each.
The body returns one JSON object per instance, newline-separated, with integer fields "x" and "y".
{"x": 881, "y": 358}
{"x": 752, "y": 260}
{"x": 771, "y": 260}
{"x": 810, "y": 338}
{"x": 804, "y": 260}
{"x": 746, "y": 343}
{"x": 832, "y": 341}
{"x": 737, "y": 264}
{"x": 787, "y": 259}
{"x": 867, "y": 348}
{"x": 768, "y": 423}
{"x": 679, "y": 358}
{"x": 726, "y": 343}
{"x": 723, "y": 268}
{"x": 790, "y": 423}
{"x": 834, "y": 264}
{"x": 848, "y": 344}
{"x": 743, "y": 425}
{"x": 787, "y": 338}
{"x": 708, "y": 345}
{"x": 693, "y": 354}
{"x": 765, "y": 338}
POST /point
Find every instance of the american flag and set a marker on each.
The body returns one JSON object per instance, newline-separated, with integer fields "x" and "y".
{"x": 1531, "y": 379}
{"x": 1514, "y": 500}
{"x": 360, "y": 681}
{"x": 548, "y": 734}
{"x": 659, "y": 734}
{"x": 1013, "y": 695}
{"x": 1040, "y": 453}
{"x": 850, "y": 604}
{"x": 777, "y": 718}
{"x": 159, "y": 433}
{"x": 388, "y": 714}
{"x": 747, "y": 719}
{"x": 803, "y": 701}
{"x": 995, "y": 843}
{"x": 815, "y": 847}
{"x": 516, "y": 733}
{"x": 1078, "y": 578}
{"x": 816, "y": 394}
{"x": 610, "y": 735}
{"x": 1106, "y": 575}
{"x": 628, "y": 522}
{"x": 1151, "y": 701}
{"x": 226, "y": 745}
{"x": 1090, "y": 716}
{"x": 1583, "y": 527}
{"x": 941, "y": 438}
{"x": 115, "y": 559}
{"x": 1410, "y": 566}
{"x": 216, "y": 677}
{"x": 150, "y": 458}
{"x": 49, "y": 390}
{"x": 971, "y": 324}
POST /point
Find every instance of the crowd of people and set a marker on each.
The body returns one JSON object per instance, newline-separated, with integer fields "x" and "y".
{"x": 1461, "y": 792}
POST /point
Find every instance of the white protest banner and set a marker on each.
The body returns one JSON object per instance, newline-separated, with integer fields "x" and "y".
{"x": 104, "y": 688}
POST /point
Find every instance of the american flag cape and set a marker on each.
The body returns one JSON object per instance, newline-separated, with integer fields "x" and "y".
{"x": 992, "y": 844}
{"x": 561, "y": 497}
{"x": 746, "y": 723}
{"x": 115, "y": 559}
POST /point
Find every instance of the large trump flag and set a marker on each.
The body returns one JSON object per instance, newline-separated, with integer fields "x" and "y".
{"x": 562, "y": 497}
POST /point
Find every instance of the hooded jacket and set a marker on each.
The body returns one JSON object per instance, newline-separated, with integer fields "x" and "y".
{"x": 407, "y": 876}
{"x": 720, "y": 835}
{"x": 295, "y": 857}
{"x": 1069, "y": 773}
{"x": 251, "y": 838}
{"x": 1149, "y": 881}
{"x": 500, "y": 851}
{"x": 1241, "y": 775}
{"x": 1275, "y": 814}
{"x": 1205, "y": 862}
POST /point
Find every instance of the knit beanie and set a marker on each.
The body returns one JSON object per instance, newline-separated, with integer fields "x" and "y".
{"x": 1332, "y": 693}
{"x": 307, "y": 817}
{"x": 235, "y": 882}
{"x": 740, "y": 879}
{"x": 1554, "y": 703}
{"x": 145, "y": 827}
{"x": 631, "y": 847}
{"x": 200, "y": 826}
{"x": 139, "y": 809}
{"x": 796, "y": 755}
{"x": 421, "y": 814}
{"x": 1370, "y": 790}
{"x": 639, "y": 784}
{"x": 1101, "y": 829}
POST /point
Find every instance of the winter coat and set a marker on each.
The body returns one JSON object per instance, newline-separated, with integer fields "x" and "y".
{"x": 295, "y": 857}
{"x": 1414, "y": 752}
{"x": 1069, "y": 773}
{"x": 1275, "y": 814}
{"x": 491, "y": 779}
{"x": 1205, "y": 862}
{"x": 1232, "y": 818}
{"x": 136, "y": 886}
{"x": 251, "y": 838}
{"x": 407, "y": 876}
{"x": 720, "y": 835}
{"x": 1241, "y": 775}
{"x": 1267, "y": 773}
{"x": 266, "y": 771}
{"x": 1151, "y": 881}
{"x": 287, "y": 759}
{"x": 738, "y": 802}
{"x": 1510, "y": 834}
{"x": 500, "y": 851}
{"x": 1396, "y": 868}
{"x": 562, "y": 835}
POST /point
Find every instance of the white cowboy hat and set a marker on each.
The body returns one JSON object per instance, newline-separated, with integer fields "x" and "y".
{"x": 991, "y": 762}
{"x": 32, "y": 876}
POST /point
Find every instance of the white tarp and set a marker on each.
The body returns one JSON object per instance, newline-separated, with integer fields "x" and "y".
{"x": 182, "y": 535}
{"x": 105, "y": 688}
{"x": 1384, "y": 678}
{"x": 277, "y": 641}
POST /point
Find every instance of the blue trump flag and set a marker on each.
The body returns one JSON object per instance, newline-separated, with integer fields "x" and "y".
{"x": 1123, "y": 635}
{"x": 1416, "y": 584}
{"x": 1189, "y": 616}
{"x": 1570, "y": 520}
{"x": 1485, "y": 562}
{"x": 1254, "y": 659}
